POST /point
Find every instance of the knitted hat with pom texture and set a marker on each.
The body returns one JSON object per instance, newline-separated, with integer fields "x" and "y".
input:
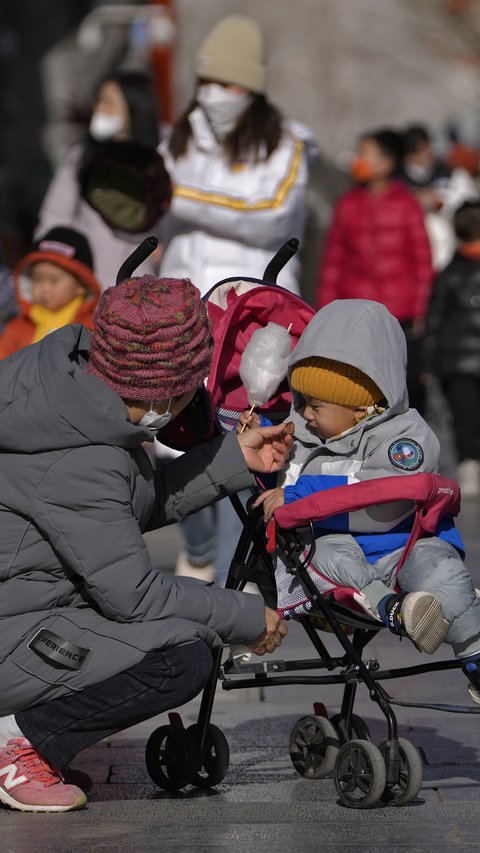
{"x": 152, "y": 339}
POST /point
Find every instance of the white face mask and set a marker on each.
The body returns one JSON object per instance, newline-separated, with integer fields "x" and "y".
{"x": 417, "y": 172}
{"x": 222, "y": 107}
{"x": 104, "y": 126}
{"x": 154, "y": 421}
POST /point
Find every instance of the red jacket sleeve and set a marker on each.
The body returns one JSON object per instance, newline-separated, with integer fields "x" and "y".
{"x": 333, "y": 259}
{"x": 420, "y": 258}
{"x": 17, "y": 333}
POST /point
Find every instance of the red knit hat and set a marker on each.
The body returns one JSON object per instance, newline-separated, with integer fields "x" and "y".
{"x": 152, "y": 338}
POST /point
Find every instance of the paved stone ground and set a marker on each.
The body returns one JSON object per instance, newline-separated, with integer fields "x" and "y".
{"x": 262, "y": 804}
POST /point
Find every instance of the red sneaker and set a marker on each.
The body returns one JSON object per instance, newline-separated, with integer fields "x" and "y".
{"x": 29, "y": 783}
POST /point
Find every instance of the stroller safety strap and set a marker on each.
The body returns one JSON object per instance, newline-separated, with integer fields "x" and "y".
{"x": 433, "y": 495}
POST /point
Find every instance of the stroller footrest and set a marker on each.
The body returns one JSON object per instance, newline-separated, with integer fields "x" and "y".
{"x": 232, "y": 667}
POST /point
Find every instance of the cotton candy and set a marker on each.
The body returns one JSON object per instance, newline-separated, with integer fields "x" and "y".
{"x": 264, "y": 362}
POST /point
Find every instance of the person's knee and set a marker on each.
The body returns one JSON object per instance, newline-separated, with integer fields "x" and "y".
{"x": 192, "y": 668}
{"x": 180, "y": 672}
{"x": 200, "y": 666}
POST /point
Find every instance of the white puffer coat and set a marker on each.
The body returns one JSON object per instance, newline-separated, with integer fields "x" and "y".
{"x": 230, "y": 220}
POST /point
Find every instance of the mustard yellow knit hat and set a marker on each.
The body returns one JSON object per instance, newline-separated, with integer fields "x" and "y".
{"x": 334, "y": 382}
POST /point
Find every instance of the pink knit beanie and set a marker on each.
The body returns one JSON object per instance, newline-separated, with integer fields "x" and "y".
{"x": 152, "y": 338}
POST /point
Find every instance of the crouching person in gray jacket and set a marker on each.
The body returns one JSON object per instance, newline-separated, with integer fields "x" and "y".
{"x": 92, "y": 638}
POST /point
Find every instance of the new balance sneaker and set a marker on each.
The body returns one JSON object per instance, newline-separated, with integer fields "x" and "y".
{"x": 418, "y": 616}
{"x": 29, "y": 783}
{"x": 471, "y": 668}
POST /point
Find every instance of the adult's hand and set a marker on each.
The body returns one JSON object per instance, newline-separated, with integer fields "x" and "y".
{"x": 266, "y": 449}
{"x": 272, "y": 636}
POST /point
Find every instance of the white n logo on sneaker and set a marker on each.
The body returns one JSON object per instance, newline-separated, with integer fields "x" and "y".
{"x": 10, "y": 771}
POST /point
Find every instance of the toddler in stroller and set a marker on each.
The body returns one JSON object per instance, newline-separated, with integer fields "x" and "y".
{"x": 353, "y": 424}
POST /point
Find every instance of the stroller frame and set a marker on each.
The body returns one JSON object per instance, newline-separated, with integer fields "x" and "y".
{"x": 363, "y": 773}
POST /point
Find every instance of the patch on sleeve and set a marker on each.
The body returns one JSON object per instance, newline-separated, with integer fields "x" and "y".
{"x": 405, "y": 454}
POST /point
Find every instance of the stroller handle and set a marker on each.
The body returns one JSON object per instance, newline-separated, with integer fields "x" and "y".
{"x": 279, "y": 260}
{"x": 137, "y": 257}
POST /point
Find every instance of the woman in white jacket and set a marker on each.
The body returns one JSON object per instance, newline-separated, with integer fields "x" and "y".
{"x": 239, "y": 170}
{"x": 239, "y": 173}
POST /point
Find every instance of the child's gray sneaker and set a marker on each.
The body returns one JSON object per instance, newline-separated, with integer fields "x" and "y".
{"x": 418, "y": 616}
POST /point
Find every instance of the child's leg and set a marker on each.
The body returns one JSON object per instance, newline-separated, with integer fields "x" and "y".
{"x": 338, "y": 557}
{"x": 436, "y": 566}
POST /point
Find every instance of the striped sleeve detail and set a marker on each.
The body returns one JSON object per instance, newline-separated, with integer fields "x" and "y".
{"x": 276, "y": 201}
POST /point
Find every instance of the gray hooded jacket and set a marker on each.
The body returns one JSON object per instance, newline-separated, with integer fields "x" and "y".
{"x": 76, "y": 492}
{"x": 362, "y": 333}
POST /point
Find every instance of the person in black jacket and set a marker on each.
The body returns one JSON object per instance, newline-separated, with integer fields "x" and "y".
{"x": 452, "y": 343}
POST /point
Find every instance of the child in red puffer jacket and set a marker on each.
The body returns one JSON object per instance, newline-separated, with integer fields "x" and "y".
{"x": 377, "y": 246}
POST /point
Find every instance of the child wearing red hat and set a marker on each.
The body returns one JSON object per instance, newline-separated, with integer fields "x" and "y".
{"x": 55, "y": 285}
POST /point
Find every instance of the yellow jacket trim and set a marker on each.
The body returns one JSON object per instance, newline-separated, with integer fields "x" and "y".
{"x": 240, "y": 204}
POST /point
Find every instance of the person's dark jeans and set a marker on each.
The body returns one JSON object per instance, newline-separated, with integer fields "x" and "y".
{"x": 162, "y": 680}
{"x": 462, "y": 391}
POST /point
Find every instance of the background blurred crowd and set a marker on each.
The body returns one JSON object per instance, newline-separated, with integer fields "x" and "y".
{"x": 94, "y": 155}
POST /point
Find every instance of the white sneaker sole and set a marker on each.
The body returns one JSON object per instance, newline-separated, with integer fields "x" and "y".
{"x": 7, "y": 800}
{"x": 424, "y": 621}
{"x": 474, "y": 694}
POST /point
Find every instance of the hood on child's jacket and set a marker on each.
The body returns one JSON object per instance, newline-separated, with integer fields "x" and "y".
{"x": 48, "y": 402}
{"x": 366, "y": 335}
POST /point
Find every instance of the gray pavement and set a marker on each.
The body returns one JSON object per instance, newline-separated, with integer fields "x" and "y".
{"x": 262, "y": 804}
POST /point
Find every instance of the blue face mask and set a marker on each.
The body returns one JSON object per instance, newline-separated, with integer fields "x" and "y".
{"x": 154, "y": 421}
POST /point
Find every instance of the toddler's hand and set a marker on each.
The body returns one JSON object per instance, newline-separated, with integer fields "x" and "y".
{"x": 271, "y": 500}
{"x": 248, "y": 420}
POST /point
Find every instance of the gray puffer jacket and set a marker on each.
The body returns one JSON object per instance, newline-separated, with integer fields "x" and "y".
{"x": 76, "y": 492}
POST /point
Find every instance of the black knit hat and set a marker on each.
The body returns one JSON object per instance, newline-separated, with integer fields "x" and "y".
{"x": 65, "y": 242}
{"x": 66, "y": 248}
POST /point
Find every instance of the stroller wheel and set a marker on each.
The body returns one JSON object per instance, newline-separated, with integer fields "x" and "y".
{"x": 216, "y": 758}
{"x": 360, "y": 775}
{"x": 409, "y": 777}
{"x": 171, "y": 757}
{"x": 359, "y": 727}
{"x": 314, "y": 745}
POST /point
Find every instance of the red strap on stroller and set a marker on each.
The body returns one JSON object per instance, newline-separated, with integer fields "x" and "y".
{"x": 433, "y": 495}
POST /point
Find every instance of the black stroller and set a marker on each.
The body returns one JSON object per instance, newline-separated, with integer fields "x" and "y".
{"x": 363, "y": 773}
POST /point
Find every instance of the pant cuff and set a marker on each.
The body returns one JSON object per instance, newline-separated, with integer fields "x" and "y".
{"x": 375, "y": 591}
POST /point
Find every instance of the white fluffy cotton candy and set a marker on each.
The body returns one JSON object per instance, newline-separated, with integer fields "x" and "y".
{"x": 264, "y": 362}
